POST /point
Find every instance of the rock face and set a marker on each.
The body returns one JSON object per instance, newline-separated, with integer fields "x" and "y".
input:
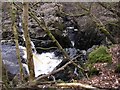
{"x": 67, "y": 30}
{"x": 89, "y": 37}
{"x": 10, "y": 59}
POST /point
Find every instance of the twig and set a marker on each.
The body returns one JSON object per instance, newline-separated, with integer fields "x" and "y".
{"x": 113, "y": 23}
{"x": 35, "y": 4}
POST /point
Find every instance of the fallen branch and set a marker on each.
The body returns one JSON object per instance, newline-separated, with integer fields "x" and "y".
{"x": 36, "y": 81}
{"x": 59, "y": 69}
{"x": 76, "y": 85}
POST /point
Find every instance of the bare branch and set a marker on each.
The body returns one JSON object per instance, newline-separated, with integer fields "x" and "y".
{"x": 62, "y": 13}
{"x": 117, "y": 13}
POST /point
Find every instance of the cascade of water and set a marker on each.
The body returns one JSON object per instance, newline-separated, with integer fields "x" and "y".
{"x": 20, "y": 30}
{"x": 71, "y": 34}
{"x": 43, "y": 63}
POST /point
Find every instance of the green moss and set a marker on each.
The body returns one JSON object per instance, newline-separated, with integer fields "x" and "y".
{"x": 100, "y": 54}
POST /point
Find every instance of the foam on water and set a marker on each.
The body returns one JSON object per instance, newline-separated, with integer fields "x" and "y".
{"x": 43, "y": 63}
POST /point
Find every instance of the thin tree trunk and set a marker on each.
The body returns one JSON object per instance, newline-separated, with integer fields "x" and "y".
{"x": 28, "y": 41}
{"x": 16, "y": 42}
{"x": 5, "y": 79}
{"x": 0, "y": 46}
{"x": 0, "y": 68}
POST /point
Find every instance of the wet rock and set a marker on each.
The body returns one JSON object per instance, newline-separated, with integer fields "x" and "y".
{"x": 10, "y": 59}
{"x": 72, "y": 52}
{"x": 71, "y": 72}
{"x": 7, "y": 35}
{"x": 87, "y": 38}
{"x": 6, "y": 42}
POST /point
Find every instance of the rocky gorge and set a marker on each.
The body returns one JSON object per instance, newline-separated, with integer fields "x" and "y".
{"x": 78, "y": 36}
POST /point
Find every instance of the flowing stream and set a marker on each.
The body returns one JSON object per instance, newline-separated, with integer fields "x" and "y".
{"x": 43, "y": 63}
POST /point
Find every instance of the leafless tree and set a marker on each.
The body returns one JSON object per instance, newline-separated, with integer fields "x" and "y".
{"x": 28, "y": 41}
{"x": 16, "y": 41}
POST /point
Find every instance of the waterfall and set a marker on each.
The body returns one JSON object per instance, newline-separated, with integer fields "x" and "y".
{"x": 71, "y": 34}
{"x": 20, "y": 30}
{"x": 43, "y": 63}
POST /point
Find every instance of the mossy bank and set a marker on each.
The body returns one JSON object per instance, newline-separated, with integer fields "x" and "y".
{"x": 100, "y": 55}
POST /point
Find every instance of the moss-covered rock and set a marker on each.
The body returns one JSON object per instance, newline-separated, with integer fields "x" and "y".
{"x": 100, "y": 54}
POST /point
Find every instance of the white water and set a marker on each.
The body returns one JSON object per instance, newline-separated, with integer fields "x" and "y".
{"x": 43, "y": 63}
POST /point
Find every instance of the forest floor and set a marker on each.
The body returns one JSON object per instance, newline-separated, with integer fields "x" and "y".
{"x": 109, "y": 75}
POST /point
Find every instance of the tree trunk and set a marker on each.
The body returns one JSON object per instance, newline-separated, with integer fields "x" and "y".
{"x": 16, "y": 42}
{"x": 0, "y": 44}
{"x": 28, "y": 41}
{"x": 0, "y": 67}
